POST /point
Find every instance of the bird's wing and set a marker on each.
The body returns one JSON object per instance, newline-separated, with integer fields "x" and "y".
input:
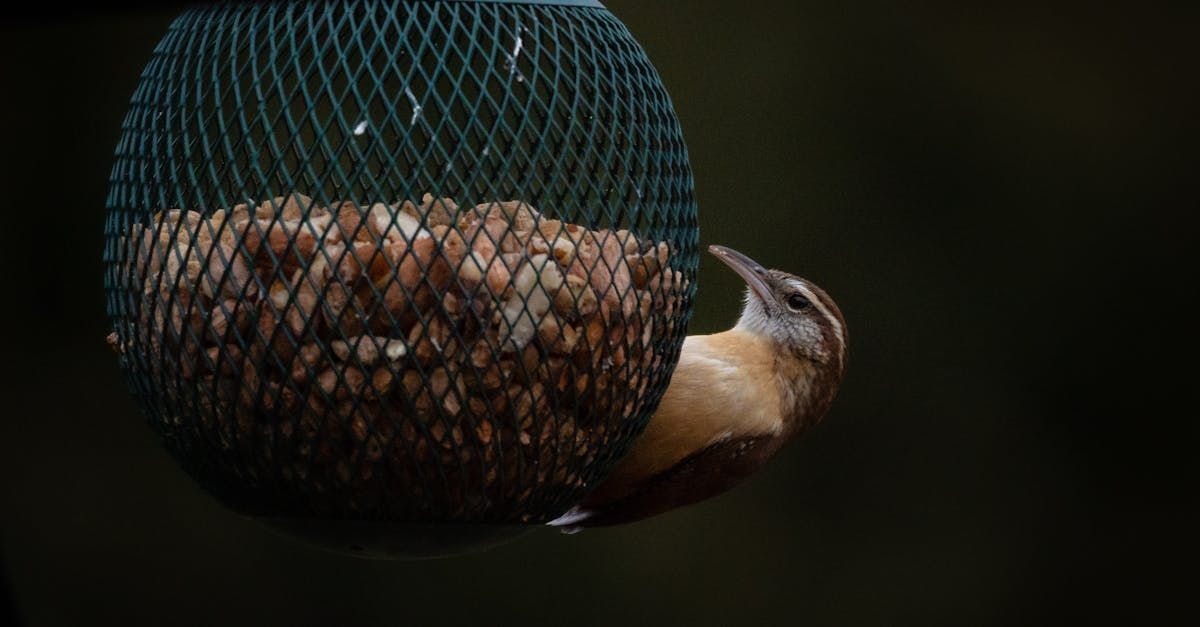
{"x": 699, "y": 476}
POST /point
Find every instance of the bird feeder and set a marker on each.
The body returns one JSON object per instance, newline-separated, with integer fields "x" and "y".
{"x": 401, "y": 277}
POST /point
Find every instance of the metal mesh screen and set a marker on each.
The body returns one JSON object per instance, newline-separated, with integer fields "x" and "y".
{"x": 400, "y": 261}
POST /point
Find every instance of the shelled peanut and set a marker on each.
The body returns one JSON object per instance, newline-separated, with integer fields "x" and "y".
{"x": 360, "y": 349}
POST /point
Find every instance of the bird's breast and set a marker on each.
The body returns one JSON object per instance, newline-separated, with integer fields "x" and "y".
{"x": 724, "y": 388}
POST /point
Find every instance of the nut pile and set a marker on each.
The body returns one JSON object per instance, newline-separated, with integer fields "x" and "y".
{"x": 381, "y": 358}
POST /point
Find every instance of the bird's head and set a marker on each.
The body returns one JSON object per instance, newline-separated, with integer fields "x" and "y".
{"x": 796, "y": 314}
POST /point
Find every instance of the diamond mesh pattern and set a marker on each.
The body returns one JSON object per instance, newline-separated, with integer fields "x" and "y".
{"x": 298, "y": 319}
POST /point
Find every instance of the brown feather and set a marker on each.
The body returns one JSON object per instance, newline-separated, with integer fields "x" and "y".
{"x": 735, "y": 367}
{"x": 733, "y": 402}
{"x": 699, "y": 476}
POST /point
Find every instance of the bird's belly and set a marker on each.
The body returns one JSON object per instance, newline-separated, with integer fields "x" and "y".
{"x": 709, "y": 401}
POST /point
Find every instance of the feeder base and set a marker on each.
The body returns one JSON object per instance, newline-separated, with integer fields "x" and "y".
{"x": 394, "y": 541}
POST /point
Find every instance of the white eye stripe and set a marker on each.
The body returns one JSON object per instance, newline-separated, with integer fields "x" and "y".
{"x": 812, "y": 298}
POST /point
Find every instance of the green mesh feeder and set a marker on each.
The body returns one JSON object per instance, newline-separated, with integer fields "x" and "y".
{"x": 401, "y": 277}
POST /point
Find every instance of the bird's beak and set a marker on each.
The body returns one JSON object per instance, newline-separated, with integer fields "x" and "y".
{"x": 750, "y": 270}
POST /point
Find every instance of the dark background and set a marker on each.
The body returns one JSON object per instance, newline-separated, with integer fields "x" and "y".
{"x": 1001, "y": 201}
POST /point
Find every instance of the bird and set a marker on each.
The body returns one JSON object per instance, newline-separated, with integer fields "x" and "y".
{"x": 735, "y": 399}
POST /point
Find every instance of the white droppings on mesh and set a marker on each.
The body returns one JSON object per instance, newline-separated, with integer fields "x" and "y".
{"x": 515, "y": 55}
{"x": 416, "y": 106}
{"x": 361, "y": 129}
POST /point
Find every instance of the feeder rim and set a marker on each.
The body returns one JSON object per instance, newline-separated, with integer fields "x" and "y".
{"x": 562, "y": 3}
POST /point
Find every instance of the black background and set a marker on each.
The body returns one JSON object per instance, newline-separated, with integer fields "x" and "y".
{"x": 1000, "y": 199}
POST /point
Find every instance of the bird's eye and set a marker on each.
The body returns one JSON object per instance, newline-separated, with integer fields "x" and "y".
{"x": 797, "y": 302}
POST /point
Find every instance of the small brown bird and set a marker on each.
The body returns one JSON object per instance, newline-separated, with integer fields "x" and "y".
{"x": 735, "y": 399}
